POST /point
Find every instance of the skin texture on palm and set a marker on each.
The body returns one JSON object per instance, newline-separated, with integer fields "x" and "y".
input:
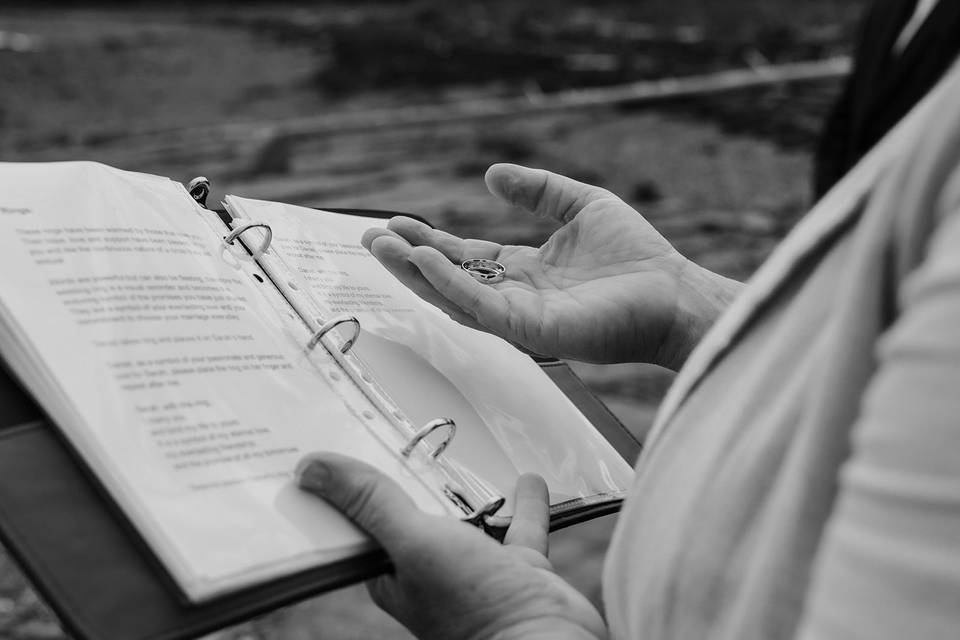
{"x": 605, "y": 287}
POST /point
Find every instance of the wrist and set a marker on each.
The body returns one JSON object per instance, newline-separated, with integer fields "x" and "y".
{"x": 703, "y": 296}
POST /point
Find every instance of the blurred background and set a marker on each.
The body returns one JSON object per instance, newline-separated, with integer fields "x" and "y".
{"x": 401, "y": 105}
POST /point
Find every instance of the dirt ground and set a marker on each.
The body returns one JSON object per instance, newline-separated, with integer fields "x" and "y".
{"x": 723, "y": 178}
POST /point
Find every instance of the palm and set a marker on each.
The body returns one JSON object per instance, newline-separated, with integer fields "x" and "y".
{"x": 603, "y": 288}
{"x": 599, "y": 289}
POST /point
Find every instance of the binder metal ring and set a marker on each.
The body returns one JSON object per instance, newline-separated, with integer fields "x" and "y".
{"x": 335, "y": 322}
{"x": 426, "y": 430}
{"x": 236, "y": 233}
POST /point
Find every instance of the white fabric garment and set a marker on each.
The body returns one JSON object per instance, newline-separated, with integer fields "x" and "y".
{"x": 801, "y": 480}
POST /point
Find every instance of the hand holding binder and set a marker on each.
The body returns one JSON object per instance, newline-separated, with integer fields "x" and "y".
{"x": 474, "y": 587}
{"x": 606, "y": 287}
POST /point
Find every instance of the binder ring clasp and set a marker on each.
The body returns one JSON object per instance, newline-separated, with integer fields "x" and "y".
{"x": 478, "y": 517}
{"x": 426, "y": 430}
{"x": 332, "y": 323}
{"x": 199, "y": 189}
{"x": 246, "y": 226}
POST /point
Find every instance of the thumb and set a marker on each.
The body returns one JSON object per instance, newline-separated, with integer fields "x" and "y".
{"x": 542, "y": 193}
{"x": 372, "y": 500}
{"x": 530, "y": 526}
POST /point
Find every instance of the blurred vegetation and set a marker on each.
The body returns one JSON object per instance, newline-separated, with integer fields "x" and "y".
{"x": 111, "y": 68}
{"x": 556, "y": 45}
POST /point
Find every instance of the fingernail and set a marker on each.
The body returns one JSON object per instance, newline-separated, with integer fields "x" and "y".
{"x": 314, "y": 475}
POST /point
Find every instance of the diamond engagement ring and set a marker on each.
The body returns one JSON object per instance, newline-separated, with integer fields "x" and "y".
{"x": 483, "y": 270}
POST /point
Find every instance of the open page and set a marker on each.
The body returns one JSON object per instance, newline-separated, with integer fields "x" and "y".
{"x": 188, "y": 392}
{"x": 511, "y": 418}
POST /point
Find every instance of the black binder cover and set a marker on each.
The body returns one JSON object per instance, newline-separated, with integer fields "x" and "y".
{"x": 97, "y": 574}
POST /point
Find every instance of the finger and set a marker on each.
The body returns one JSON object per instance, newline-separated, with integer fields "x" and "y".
{"x": 376, "y": 232}
{"x": 455, "y": 249}
{"x": 481, "y": 301}
{"x": 542, "y": 193}
{"x": 373, "y": 501}
{"x": 530, "y": 525}
{"x": 394, "y": 254}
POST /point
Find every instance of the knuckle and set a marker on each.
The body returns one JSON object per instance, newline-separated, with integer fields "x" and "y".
{"x": 380, "y": 592}
{"x": 358, "y": 498}
{"x": 473, "y": 299}
{"x": 447, "y": 281}
{"x": 530, "y": 556}
{"x": 537, "y": 196}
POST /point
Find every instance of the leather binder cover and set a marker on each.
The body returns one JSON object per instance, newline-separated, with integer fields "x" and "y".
{"x": 97, "y": 574}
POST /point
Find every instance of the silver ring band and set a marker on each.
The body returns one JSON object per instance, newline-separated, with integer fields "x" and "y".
{"x": 483, "y": 270}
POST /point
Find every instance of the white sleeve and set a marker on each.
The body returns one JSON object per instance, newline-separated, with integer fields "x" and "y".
{"x": 888, "y": 566}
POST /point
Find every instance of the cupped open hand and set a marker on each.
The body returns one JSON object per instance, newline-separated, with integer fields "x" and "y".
{"x": 605, "y": 287}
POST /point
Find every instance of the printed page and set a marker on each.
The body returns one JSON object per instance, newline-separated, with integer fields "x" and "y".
{"x": 162, "y": 358}
{"x": 510, "y": 417}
